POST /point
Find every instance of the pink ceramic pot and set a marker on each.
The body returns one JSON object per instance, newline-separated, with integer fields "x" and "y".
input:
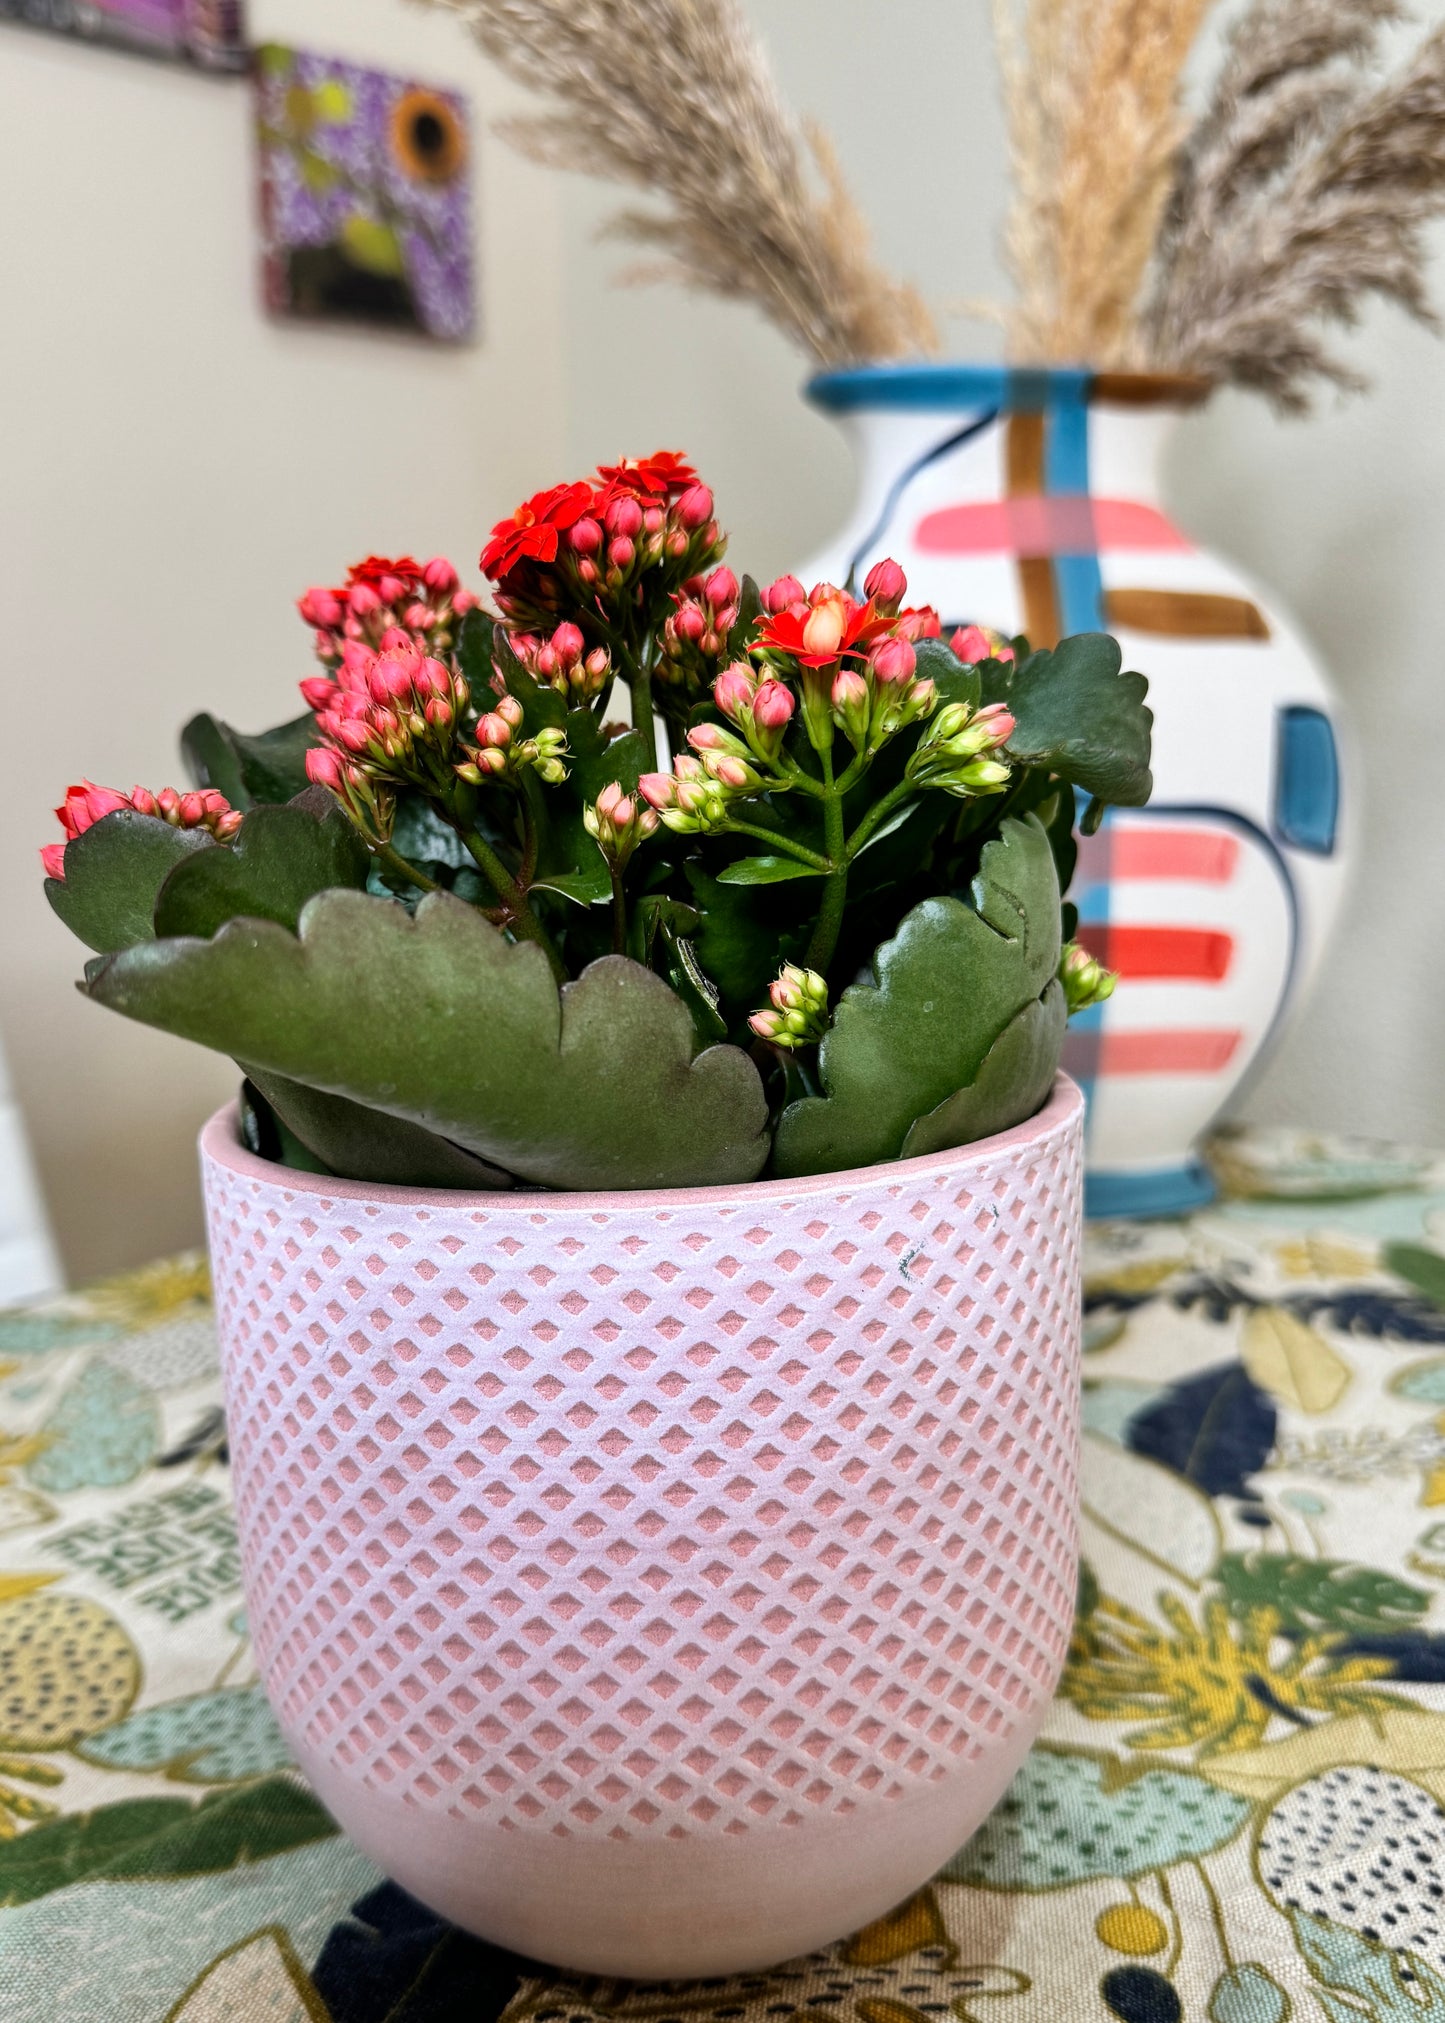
{"x": 659, "y": 1584}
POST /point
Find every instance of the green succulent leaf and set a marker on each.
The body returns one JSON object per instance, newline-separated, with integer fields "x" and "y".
{"x": 114, "y": 872}
{"x": 1012, "y": 1083}
{"x": 938, "y": 663}
{"x": 742, "y": 942}
{"x": 1077, "y": 714}
{"x": 948, "y": 983}
{"x": 590, "y": 886}
{"x": 750, "y": 607}
{"x": 767, "y": 871}
{"x": 437, "y": 1019}
{"x": 268, "y": 768}
{"x": 366, "y": 1144}
{"x": 281, "y": 858}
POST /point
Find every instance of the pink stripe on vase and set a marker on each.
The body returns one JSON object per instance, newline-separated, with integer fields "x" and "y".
{"x": 1035, "y": 525}
{"x": 1202, "y": 856}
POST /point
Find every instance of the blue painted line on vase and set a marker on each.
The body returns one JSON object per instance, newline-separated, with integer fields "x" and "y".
{"x": 875, "y": 535}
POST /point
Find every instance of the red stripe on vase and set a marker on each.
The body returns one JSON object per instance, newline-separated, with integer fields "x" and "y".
{"x": 1152, "y": 851}
{"x": 1206, "y": 1050}
{"x": 1159, "y": 954}
{"x": 1071, "y": 524}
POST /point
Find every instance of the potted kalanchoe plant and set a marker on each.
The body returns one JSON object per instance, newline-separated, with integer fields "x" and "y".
{"x": 646, "y": 1246}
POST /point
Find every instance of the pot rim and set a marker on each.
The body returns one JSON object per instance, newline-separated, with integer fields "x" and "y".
{"x": 220, "y": 1142}
{"x": 921, "y": 384}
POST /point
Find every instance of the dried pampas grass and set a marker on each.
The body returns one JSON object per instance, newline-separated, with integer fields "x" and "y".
{"x": 675, "y": 98}
{"x": 1305, "y": 189}
{"x": 1096, "y": 121}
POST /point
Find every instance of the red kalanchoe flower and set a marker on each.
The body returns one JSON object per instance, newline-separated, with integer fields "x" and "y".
{"x": 833, "y": 628}
{"x": 659, "y": 476}
{"x": 534, "y": 531}
{"x": 87, "y": 804}
{"x": 391, "y": 580}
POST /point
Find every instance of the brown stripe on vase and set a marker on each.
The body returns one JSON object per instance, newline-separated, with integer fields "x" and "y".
{"x": 1185, "y": 614}
{"x": 1024, "y": 465}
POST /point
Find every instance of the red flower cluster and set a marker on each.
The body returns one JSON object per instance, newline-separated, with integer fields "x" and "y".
{"x": 86, "y": 804}
{"x": 579, "y": 547}
{"x": 380, "y": 595}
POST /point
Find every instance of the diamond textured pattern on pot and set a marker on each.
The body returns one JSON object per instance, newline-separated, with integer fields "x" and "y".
{"x": 616, "y": 1517}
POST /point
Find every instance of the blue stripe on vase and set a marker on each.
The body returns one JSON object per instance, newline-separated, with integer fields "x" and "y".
{"x": 1078, "y": 583}
{"x": 1021, "y": 390}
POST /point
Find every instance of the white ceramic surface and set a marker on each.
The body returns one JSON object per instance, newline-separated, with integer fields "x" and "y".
{"x": 1031, "y": 501}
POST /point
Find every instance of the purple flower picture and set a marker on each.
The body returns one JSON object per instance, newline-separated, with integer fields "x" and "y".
{"x": 365, "y": 196}
{"x": 208, "y": 32}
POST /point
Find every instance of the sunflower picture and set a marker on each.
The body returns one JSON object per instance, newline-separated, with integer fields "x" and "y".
{"x": 365, "y": 196}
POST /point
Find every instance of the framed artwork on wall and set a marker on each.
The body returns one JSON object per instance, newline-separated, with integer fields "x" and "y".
{"x": 211, "y": 33}
{"x": 365, "y": 196}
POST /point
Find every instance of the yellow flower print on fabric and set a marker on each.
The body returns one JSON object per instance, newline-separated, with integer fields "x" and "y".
{"x": 1214, "y": 1688}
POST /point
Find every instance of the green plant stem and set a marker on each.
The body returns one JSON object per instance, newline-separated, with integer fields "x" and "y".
{"x": 878, "y": 813}
{"x": 397, "y": 864}
{"x": 521, "y": 918}
{"x": 619, "y": 912}
{"x": 824, "y": 943}
{"x": 784, "y": 843}
{"x": 639, "y": 687}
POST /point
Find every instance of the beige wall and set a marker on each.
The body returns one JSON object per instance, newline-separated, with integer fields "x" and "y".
{"x": 172, "y": 468}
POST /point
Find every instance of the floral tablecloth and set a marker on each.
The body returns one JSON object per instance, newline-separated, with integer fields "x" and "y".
{"x": 1237, "y": 1812}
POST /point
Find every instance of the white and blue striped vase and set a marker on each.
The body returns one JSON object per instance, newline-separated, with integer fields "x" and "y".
{"x": 1029, "y": 501}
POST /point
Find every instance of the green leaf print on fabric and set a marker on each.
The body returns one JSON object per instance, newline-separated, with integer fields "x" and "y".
{"x": 1067, "y": 1819}
{"x": 154, "y": 1839}
{"x": 1310, "y": 1595}
{"x": 211, "y": 1738}
{"x": 101, "y": 1434}
{"x": 1392, "y": 1989}
{"x": 1248, "y": 1994}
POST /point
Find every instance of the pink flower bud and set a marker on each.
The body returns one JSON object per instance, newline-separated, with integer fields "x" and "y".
{"x": 396, "y": 639}
{"x": 357, "y": 662}
{"x": 659, "y": 790}
{"x": 510, "y": 711}
{"x": 493, "y": 731}
{"x": 587, "y": 571}
{"x": 363, "y": 600}
{"x": 971, "y": 644}
{"x": 465, "y": 601}
{"x": 730, "y": 772}
{"x": 782, "y": 595}
{"x": 545, "y": 662}
{"x": 317, "y": 692}
{"x": 733, "y": 691}
{"x": 893, "y": 661}
{"x": 850, "y": 691}
{"x": 1001, "y": 724}
{"x": 419, "y": 618}
{"x": 623, "y": 518}
{"x": 621, "y": 553}
{"x": 598, "y": 662}
{"x": 824, "y": 627}
{"x": 886, "y": 584}
{"x": 439, "y": 713}
{"x": 52, "y": 857}
{"x": 652, "y": 519}
{"x": 567, "y": 644}
{"x": 721, "y": 588}
{"x": 439, "y": 576}
{"x": 708, "y": 738}
{"x": 773, "y": 706}
{"x": 694, "y": 508}
{"x": 321, "y": 608}
{"x": 609, "y": 800}
{"x": 323, "y": 767}
{"x": 690, "y": 623}
{"x": 586, "y": 537}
